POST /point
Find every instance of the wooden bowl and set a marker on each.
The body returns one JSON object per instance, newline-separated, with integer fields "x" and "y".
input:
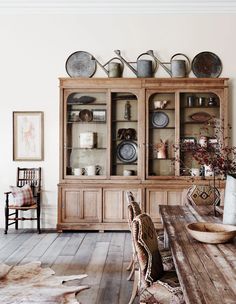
{"x": 211, "y": 233}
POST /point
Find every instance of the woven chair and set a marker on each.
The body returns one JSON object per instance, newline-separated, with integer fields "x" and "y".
{"x": 133, "y": 211}
{"x": 155, "y": 284}
{"x": 26, "y": 194}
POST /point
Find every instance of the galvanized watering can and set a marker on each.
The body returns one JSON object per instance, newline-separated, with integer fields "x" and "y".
{"x": 178, "y": 67}
{"x": 145, "y": 68}
{"x": 115, "y": 69}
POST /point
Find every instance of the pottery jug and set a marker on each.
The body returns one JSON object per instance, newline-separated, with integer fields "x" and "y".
{"x": 92, "y": 170}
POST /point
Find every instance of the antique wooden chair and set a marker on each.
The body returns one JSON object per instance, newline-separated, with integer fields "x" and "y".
{"x": 25, "y": 196}
{"x": 155, "y": 284}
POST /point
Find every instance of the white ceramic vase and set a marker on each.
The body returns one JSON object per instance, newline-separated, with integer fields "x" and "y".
{"x": 229, "y": 216}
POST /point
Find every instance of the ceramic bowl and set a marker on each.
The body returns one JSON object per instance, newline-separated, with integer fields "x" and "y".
{"x": 211, "y": 233}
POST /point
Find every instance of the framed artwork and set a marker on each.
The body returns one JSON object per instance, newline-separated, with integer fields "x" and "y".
{"x": 28, "y": 136}
{"x": 99, "y": 115}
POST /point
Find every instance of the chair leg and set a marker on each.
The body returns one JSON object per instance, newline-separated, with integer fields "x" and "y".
{"x": 38, "y": 220}
{"x": 135, "y": 287}
{"x": 6, "y": 219}
{"x": 131, "y": 273}
{"x": 16, "y": 224}
{"x": 130, "y": 264}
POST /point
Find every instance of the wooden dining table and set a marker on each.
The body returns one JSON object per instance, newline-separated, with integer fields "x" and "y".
{"x": 207, "y": 272}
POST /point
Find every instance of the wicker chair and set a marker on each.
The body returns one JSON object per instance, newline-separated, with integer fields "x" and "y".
{"x": 133, "y": 211}
{"x": 155, "y": 284}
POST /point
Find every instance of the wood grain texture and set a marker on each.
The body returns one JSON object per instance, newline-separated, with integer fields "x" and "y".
{"x": 207, "y": 272}
{"x": 103, "y": 256}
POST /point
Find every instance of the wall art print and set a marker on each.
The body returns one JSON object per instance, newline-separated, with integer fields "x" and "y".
{"x": 28, "y": 136}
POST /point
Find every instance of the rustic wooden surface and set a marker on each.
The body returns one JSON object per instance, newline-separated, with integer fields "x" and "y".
{"x": 104, "y": 257}
{"x": 207, "y": 272}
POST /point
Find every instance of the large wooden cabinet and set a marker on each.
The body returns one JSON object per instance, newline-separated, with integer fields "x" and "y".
{"x": 112, "y": 134}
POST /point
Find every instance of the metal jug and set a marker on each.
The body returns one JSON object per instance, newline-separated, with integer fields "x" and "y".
{"x": 178, "y": 67}
{"x": 115, "y": 69}
{"x": 145, "y": 68}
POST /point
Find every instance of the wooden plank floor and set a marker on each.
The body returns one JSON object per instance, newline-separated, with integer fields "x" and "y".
{"x": 102, "y": 256}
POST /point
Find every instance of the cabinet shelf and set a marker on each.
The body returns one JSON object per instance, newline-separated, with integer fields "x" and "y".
{"x": 86, "y": 104}
{"x": 193, "y": 122}
{"x": 131, "y": 139}
{"x": 121, "y": 120}
{"x": 155, "y": 128}
{"x": 158, "y": 110}
{"x": 124, "y": 164}
{"x": 201, "y": 107}
{"x": 86, "y": 122}
{"x": 78, "y": 148}
{"x": 155, "y": 159}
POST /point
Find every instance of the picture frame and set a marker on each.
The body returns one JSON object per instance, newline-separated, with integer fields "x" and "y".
{"x": 99, "y": 115}
{"x": 28, "y": 136}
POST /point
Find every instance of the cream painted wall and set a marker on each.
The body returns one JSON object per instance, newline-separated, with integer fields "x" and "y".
{"x": 32, "y": 57}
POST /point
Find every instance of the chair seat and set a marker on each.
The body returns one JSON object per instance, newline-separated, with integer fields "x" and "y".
{"x": 23, "y": 208}
{"x": 164, "y": 291}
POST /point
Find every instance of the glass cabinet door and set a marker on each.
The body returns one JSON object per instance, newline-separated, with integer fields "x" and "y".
{"x": 124, "y": 134}
{"x": 86, "y": 134}
{"x": 161, "y": 134}
{"x": 197, "y": 128}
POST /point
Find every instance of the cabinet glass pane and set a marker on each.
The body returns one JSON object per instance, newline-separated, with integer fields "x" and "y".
{"x": 124, "y": 134}
{"x": 161, "y": 135}
{"x": 196, "y": 111}
{"x": 86, "y": 133}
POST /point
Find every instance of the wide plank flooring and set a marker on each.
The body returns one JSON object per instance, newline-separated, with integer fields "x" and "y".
{"x": 104, "y": 257}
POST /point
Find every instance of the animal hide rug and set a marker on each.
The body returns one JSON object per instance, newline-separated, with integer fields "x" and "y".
{"x": 30, "y": 283}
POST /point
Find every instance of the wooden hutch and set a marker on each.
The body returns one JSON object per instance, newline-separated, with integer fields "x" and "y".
{"x": 114, "y": 126}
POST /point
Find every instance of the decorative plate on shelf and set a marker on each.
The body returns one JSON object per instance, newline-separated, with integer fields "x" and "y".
{"x": 127, "y": 151}
{"x": 86, "y": 115}
{"x": 206, "y": 64}
{"x": 200, "y": 116}
{"x": 160, "y": 119}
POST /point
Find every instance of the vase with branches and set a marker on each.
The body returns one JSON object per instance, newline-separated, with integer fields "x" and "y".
{"x": 216, "y": 153}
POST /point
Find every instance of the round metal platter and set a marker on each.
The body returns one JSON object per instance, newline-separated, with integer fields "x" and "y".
{"x": 127, "y": 151}
{"x": 86, "y": 115}
{"x": 206, "y": 65}
{"x": 160, "y": 119}
{"x": 81, "y": 64}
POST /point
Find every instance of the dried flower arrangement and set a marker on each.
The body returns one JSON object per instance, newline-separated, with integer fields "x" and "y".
{"x": 216, "y": 152}
{"x": 213, "y": 151}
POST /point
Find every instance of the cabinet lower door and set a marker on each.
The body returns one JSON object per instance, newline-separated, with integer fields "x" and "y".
{"x": 156, "y": 197}
{"x": 81, "y": 205}
{"x": 115, "y": 204}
